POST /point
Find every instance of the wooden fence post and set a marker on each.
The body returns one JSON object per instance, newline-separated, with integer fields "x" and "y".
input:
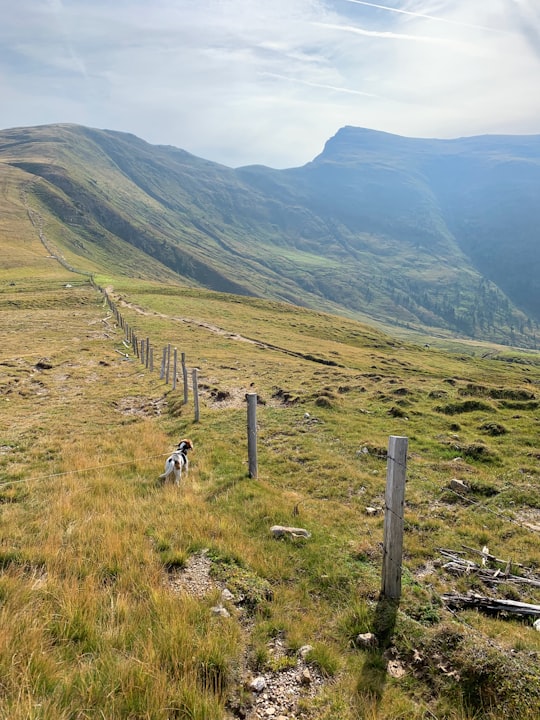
{"x": 194, "y": 373}
{"x": 185, "y": 377}
{"x": 147, "y": 353}
{"x": 168, "y": 366}
{"x": 163, "y": 361}
{"x": 174, "y": 369}
{"x": 252, "y": 433}
{"x": 151, "y": 359}
{"x": 393, "y": 518}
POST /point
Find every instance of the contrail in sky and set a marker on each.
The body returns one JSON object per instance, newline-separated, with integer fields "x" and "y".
{"x": 426, "y": 17}
{"x": 348, "y": 91}
{"x": 384, "y": 34}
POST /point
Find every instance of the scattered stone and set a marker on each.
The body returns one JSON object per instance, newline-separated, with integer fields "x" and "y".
{"x": 372, "y": 510}
{"x": 304, "y": 650}
{"x": 221, "y": 611}
{"x": 395, "y": 669}
{"x": 458, "y": 486}
{"x": 258, "y": 684}
{"x": 279, "y": 531}
{"x": 305, "y": 677}
{"x": 195, "y": 578}
{"x": 367, "y": 641}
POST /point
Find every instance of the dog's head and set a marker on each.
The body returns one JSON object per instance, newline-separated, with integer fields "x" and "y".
{"x": 185, "y": 445}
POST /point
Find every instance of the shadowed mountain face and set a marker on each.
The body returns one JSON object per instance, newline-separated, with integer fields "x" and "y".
{"x": 436, "y": 234}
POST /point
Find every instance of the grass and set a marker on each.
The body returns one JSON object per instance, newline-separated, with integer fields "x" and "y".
{"x": 89, "y": 625}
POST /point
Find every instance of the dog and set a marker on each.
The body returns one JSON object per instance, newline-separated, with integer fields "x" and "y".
{"x": 177, "y": 462}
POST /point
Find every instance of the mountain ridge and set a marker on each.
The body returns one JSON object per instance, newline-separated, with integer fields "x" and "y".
{"x": 375, "y": 226}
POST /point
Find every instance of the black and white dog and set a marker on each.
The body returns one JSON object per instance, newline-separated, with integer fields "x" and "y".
{"x": 177, "y": 462}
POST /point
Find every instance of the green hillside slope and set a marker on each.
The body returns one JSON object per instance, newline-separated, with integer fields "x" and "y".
{"x": 372, "y": 228}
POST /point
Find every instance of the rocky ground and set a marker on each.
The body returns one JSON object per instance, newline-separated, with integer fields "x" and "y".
{"x": 274, "y": 694}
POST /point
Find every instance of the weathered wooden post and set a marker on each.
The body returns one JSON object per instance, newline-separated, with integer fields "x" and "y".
{"x": 194, "y": 374}
{"x": 174, "y": 369}
{"x": 185, "y": 377}
{"x": 393, "y": 518}
{"x": 147, "y": 353}
{"x": 163, "y": 361}
{"x": 142, "y": 351}
{"x": 151, "y": 359}
{"x": 168, "y": 367}
{"x": 252, "y": 433}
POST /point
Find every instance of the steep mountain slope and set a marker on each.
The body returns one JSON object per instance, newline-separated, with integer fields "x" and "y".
{"x": 406, "y": 231}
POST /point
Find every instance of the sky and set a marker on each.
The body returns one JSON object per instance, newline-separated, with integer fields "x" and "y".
{"x": 270, "y": 81}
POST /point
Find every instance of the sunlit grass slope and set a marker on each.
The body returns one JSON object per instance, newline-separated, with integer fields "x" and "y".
{"x": 90, "y": 626}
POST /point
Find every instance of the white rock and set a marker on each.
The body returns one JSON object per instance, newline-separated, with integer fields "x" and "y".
{"x": 258, "y": 684}
{"x": 459, "y": 486}
{"x": 367, "y": 640}
{"x": 536, "y": 625}
{"x": 221, "y": 611}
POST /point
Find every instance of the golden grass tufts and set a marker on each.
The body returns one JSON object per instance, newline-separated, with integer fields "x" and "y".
{"x": 90, "y": 625}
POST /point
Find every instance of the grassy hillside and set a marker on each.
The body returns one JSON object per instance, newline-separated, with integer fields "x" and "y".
{"x": 377, "y": 228}
{"x": 111, "y": 583}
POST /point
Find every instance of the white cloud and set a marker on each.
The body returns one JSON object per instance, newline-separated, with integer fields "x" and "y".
{"x": 241, "y": 81}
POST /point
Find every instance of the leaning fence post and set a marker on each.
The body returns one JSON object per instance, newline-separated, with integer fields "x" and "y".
{"x": 194, "y": 374}
{"x": 393, "y": 518}
{"x": 185, "y": 376}
{"x": 252, "y": 433}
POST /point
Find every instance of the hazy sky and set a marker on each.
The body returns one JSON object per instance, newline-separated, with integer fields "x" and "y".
{"x": 269, "y": 81}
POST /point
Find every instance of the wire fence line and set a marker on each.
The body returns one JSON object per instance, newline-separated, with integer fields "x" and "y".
{"x": 171, "y": 364}
{"x": 81, "y": 470}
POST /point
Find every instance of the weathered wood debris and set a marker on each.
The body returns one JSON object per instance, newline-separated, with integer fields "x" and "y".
{"x": 490, "y": 605}
{"x": 458, "y": 565}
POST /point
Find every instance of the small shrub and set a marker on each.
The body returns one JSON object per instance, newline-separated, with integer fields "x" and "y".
{"x": 493, "y": 429}
{"x": 508, "y": 394}
{"x": 356, "y": 620}
{"x": 324, "y": 658}
{"x": 476, "y": 451}
{"x": 249, "y": 589}
{"x": 213, "y": 671}
{"x": 324, "y": 402}
{"x": 464, "y": 407}
{"x": 173, "y": 559}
